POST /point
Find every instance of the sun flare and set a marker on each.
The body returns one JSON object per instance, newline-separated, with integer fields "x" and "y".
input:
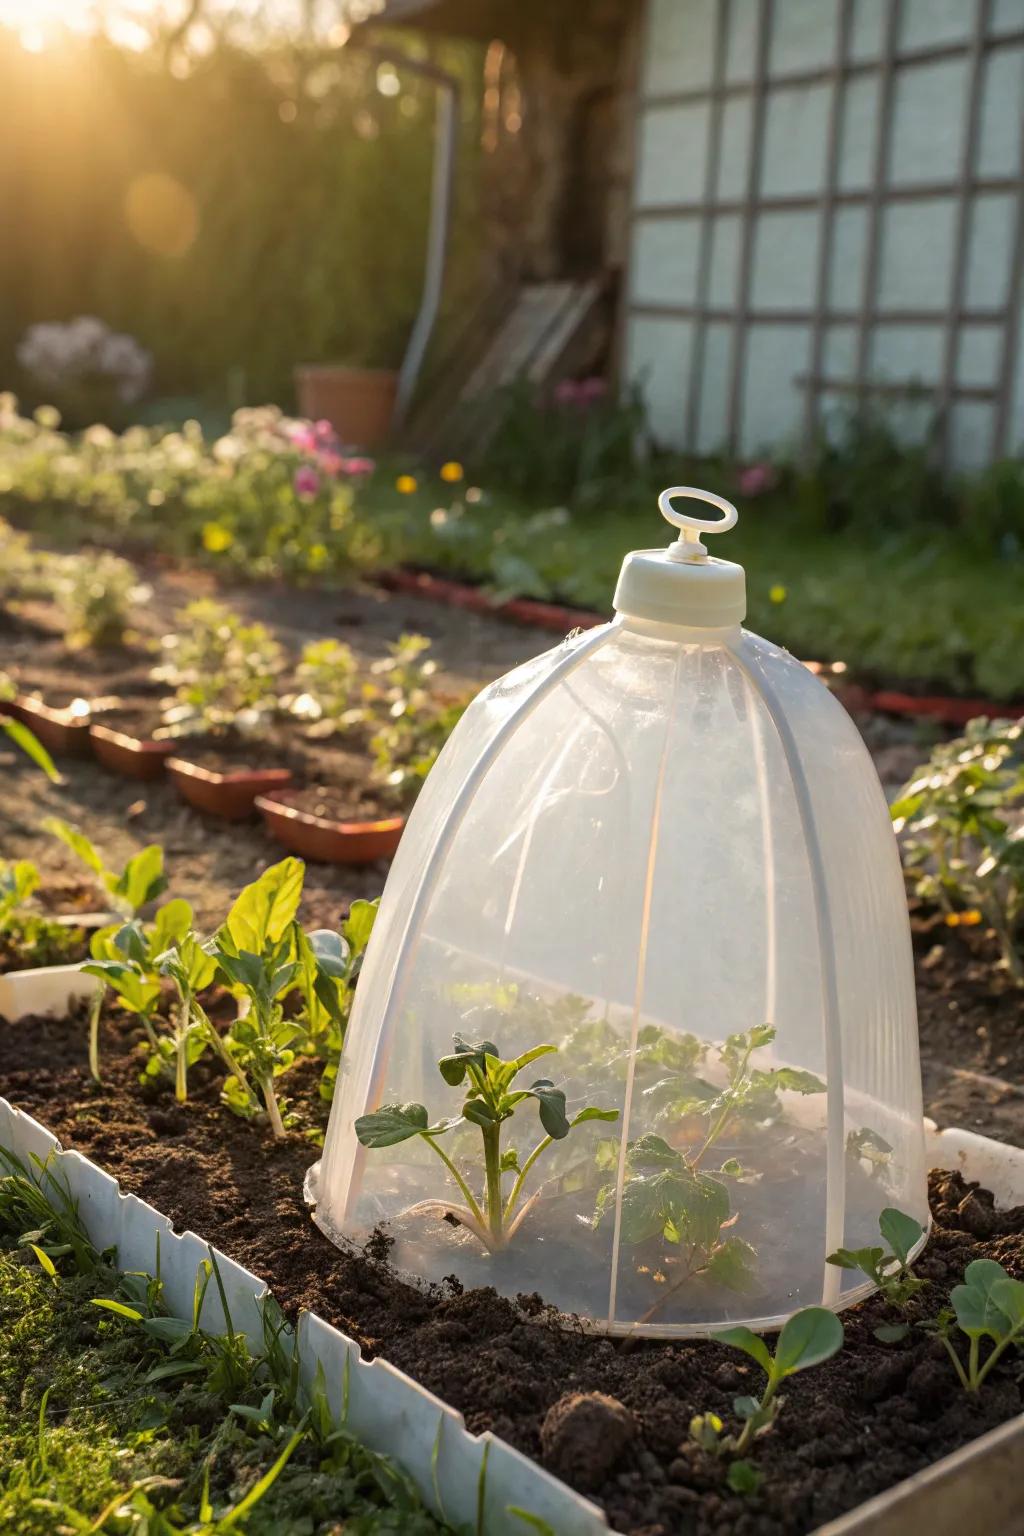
{"x": 41, "y": 24}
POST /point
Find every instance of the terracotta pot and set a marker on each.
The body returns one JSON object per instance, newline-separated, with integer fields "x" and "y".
{"x": 61, "y": 732}
{"x": 325, "y": 841}
{"x": 127, "y": 755}
{"x": 230, "y": 796}
{"x": 358, "y": 402}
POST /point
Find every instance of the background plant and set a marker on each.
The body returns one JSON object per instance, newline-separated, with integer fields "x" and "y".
{"x": 223, "y": 670}
{"x": 129, "y": 889}
{"x": 961, "y": 832}
{"x": 889, "y": 1267}
{"x": 98, "y": 594}
{"x": 987, "y": 1305}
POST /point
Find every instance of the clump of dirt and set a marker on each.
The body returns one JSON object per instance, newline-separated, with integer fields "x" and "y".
{"x": 870, "y": 1416}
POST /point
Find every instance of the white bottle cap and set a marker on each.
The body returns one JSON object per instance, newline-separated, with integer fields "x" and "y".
{"x": 683, "y": 584}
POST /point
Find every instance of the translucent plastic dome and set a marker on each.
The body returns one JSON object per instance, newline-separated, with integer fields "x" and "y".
{"x": 662, "y": 848}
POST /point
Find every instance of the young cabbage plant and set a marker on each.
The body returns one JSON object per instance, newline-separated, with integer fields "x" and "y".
{"x": 888, "y": 1268}
{"x": 490, "y": 1100}
{"x": 126, "y": 960}
{"x": 811, "y": 1336}
{"x": 141, "y": 880}
{"x": 191, "y": 969}
{"x": 256, "y": 954}
{"x": 988, "y": 1305}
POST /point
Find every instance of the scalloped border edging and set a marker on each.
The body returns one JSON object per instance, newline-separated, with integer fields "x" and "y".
{"x": 380, "y": 1405}
{"x": 974, "y": 1488}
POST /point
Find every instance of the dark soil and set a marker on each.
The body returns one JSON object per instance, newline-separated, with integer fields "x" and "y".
{"x": 609, "y": 1417}
{"x": 355, "y": 802}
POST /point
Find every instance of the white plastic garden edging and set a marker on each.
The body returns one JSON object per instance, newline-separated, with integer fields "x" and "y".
{"x": 46, "y": 989}
{"x": 972, "y": 1490}
{"x": 381, "y": 1406}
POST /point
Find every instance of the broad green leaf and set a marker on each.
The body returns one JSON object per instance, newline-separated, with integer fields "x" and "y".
{"x": 528, "y": 1056}
{"x": 172, "y": 1368}
{"x": 1008, "y": 1296}
{"x": 453, "y": 1068}
{"x": 749, "y": 1342}
{"x": 331, "y": 952}
{"x": 264, "y": 909}
{"x": 142, "y": 880}
{"x": 393, "y": 1123}
{"x": 810, "y": 1336}
{"x": 551, "y": 1103}
{"x": 653, "y": 1152}
{"x": 478, "y": 1112}
{"x": 358, "y": 926}
{"x": 130, "y": 940}
{"x": 743, "y": 1477}
{"x": 891, "y": 1333}
{"x": 171, "y": 923}
{"x": 593, "y": 1113}
{"x": 795, "y": 1081}
{"x": 900, "y": 1231}
{"x": 866, "y": 1259}
{"x": 29, "y": 742}
{"x": 169, "y": 1330}
{"x": 733, "y": 1265}
{"x": 746, "y": 1407}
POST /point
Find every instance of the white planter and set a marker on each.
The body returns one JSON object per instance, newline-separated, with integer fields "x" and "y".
{"x": 973, "y": 1492}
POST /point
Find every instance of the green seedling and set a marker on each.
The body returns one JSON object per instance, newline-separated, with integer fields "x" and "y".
{"x": 810, "y": 1337}
{"x": 256, "y": 953}
{"x": 223, "y": 670}
{"x": 190, "y": 969}
{"x": 141, "y": 880}
{"x": 490, "y": 1101}
{"x": 988, "y": 1305}
{"x": 127, "y": 961}
{"x": 24, "y": 739}
{"x": 329, "y": 966}
{"x": 889, "y": 1268}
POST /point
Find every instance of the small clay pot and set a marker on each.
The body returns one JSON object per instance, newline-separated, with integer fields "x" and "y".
{"x": 61, "y": 732}
{"x": 358, "y": 402}
{"x": 130, "y": 756}
{"x": 230, "y": 796}
{"x": 325, "y": 841}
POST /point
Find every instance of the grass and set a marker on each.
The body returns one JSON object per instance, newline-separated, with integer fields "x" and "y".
{"x": 924, "y": 610}
{"x": 107, "y": 1426}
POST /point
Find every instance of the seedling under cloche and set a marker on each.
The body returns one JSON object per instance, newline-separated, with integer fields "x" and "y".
{"x": 636, "y": 1027}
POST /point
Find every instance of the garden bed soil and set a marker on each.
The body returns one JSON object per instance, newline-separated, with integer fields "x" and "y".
{"x": 343, "y": 803}
{"x": 610, "y": 1417}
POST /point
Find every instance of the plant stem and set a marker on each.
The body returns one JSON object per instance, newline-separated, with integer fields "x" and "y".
{"x": 958, "y": 1367}
{"x": 719, "y": 1125}
{"x": 94, "y": 1035}
{"x": 747, "y": 1432}
{"x": 181, "y": 1066}
{"x": 979, "y": 1376}
{"x": 510, "y": 1203}
{"x": 270, "y": 1099}
{"x": 492, "y": 1166}
{"x": 460, "y": 1181}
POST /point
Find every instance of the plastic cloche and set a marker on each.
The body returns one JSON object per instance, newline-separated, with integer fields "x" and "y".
{"x": 662, "y": 849}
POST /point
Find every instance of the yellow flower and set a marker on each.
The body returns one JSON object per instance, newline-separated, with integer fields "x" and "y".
{"x": 217, "y": 538}
{"x": 777, "y": 594}
{"x": 969, "y": 919}
{"x": 451, "y": 471}
{"x": 406, "y": 484}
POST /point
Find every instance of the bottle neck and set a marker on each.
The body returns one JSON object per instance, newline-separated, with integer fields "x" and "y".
{"x": 681, "y": 634}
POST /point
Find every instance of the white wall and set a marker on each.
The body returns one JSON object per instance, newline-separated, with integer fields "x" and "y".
{"x": 686, "y": 259}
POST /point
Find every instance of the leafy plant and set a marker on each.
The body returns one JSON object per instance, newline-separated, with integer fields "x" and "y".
{"x": 98, "y": 594}
{"x": 327, "y": 680}
{"x": 406, "y": 747}
{"x": 224, "y": 671}
{"x": 140, "y": 881}
{"x": 669, "y": 1192}
{"x": 127, "y": 960}
{"x": 329, "y": 966}
{"x": 808, "y": 1338}
{"x": 988, "y": 1305}
{"x": 961, "y": 840}
{"x": 490, "y": 1101}
{"x": 28, "y": 937}
{"x": 889, "y": 1269}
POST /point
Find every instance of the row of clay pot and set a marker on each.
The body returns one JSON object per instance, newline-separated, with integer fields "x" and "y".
{"x": 232, "y": 796}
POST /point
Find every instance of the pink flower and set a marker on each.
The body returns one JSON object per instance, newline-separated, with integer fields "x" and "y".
{"x": 302, "y": 437}
{"x": 567, "y": 392}
{"x": 756, "y": 479}
{"x": 592, "y": 389}
{"x": 331, "y": 462}
{"x": 324, "y": 432}
{"x": 307, "y": 481}
{"x": 357, "y": 468}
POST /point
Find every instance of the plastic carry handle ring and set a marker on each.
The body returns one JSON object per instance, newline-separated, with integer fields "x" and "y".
{"x": 685, "y": 520}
